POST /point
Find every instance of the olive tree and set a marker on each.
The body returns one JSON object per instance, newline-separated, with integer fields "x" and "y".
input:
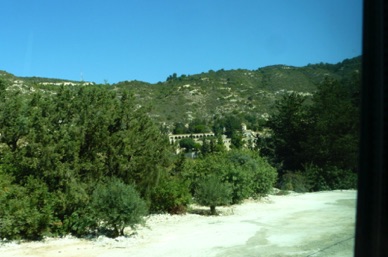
{"x": 213, "y": 192}
{"x": 117, "y": 205}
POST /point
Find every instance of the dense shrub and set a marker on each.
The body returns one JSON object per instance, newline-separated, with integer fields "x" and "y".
{"x": 188, "y": 144}
{"x": 171, "y": 195}
{"x": 261, "y": 176}
{"x": 295, "y": 181}
{"x": 25, "y": 211}
{"x": 219, "y": 165}
{"x": 68, "y": 147}
{"x": 264, "y": 180}
{"x": 195, "y": 171}
{"x": 329, "y": 178}
{"x": 117, "y": 205}
{"x": 247, "y": 173}
{"x": 345, "y": 179}
{"x": 314, "y": 178}
{"x": 81, "y": 222}
{"x": 213, "y": 192}
{"x": 72, "y": 198}
{"x": 241, "y": 183}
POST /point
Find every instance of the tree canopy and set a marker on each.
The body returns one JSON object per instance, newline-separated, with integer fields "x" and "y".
{"x": 74, "y": 137}
{"x": 321, "y": 137}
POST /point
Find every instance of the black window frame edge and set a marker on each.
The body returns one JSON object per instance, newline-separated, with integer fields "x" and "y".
{"x": 371, "y": 237}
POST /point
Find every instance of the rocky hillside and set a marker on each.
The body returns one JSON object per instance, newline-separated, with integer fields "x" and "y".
{"x": 214, "y": 93}
{"x": 239, "y": 91}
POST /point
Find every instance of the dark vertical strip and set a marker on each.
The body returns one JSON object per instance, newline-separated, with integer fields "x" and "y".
{"x": 372, "y": 216}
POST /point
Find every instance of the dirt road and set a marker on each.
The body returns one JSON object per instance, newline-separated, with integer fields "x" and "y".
{"x": 311, "y": 224}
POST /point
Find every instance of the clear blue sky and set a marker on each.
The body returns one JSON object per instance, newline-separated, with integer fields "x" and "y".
{"x": 149, "y": 40}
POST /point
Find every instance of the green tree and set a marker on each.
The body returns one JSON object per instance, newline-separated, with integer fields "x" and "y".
{"x": 232, "y": 123}
{"x": 248, "y": 174}
{"x": 171, "y": 195}
{"x": 13, "y": 119}
{"x": 290, "y": 125}
{"x": 205, "y": 147}
{"x": 179, "y": 164}
{"x": 179, "y": 128}
{"x": 323, "y": 135}
{"x": 72, "y": 139}
{"x": 335, "y": 138}
{"x": 25, "y": 210}
{"x": 117, "y": 205}
{"x": 138, "y": 152}
{"x": 216, "y": 145}
{"x": 196, "y": 170}
{"x": 236, "y": 140}
{"x": 198, "y": 126}
{"x": 172, "y": 77}
{"x": 219, "y": 146}
{"x": 188, "y": 144}
{"x": 252, "y": 176}
{"x": 213, "y": 192}
{"x": 2, "y": 88}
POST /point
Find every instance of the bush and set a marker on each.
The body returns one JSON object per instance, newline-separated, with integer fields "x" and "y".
{"x": 220, "y": 166}
{"x": 263, "y": 181}
{"x": 25, "y": 211}
{"x": 71, "y": 207}
{"x": 213, "y": 192}
{"x": 171, "y": 195}
{"x": 295, "y": 181}
{"x": 80, "y": 223}
{"x": 117, "y": 205}
{"x": 196, "y": 170}
{"x": 188, "y": 144}
{"x": 346, "y": 179}
{"x": 329, "y": 178}
{"x": 264, "y": 177}
{"x": 240, "y": 181}
{"x": 248, "y": 174}
{"x": 260, "y": 175}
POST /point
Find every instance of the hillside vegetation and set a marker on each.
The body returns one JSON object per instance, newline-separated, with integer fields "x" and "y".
{"x": 184, "y": 98}
{"x": 212, "y": 94}
{"x": 70, "y": 151}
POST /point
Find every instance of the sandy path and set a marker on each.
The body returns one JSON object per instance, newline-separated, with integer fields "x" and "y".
{"x": 313, "y": 224}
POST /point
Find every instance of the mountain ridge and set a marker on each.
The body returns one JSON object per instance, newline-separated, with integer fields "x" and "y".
{"x": 215, "y": 93}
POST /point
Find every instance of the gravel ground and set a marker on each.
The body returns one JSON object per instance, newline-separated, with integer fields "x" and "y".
{"x": 311, "y": 224}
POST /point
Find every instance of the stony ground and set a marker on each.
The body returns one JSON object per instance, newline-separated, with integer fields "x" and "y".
{"x": 311, "y": 224}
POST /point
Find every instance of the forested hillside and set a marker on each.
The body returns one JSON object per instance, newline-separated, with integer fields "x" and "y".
{"x": 87, "y": 159}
